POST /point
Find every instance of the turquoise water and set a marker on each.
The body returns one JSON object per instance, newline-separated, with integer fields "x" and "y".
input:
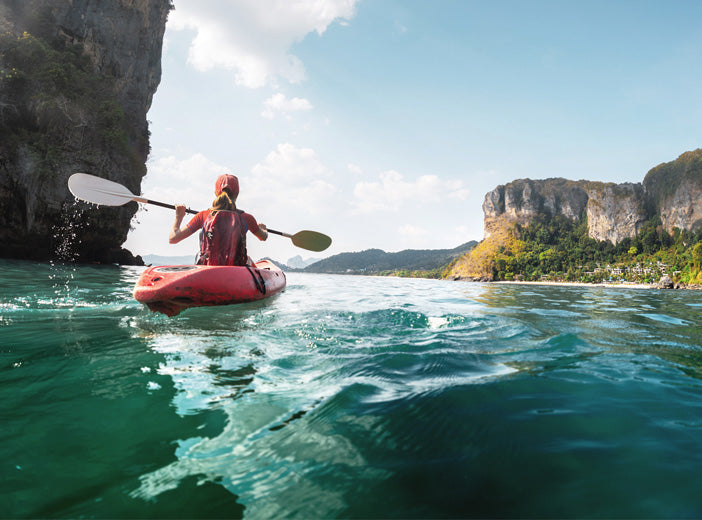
{"x": 348, "y": 397}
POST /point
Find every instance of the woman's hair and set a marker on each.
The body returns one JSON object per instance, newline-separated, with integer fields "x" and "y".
{"x": 223, "y": 202}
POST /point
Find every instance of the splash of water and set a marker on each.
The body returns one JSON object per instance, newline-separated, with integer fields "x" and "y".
{"x": 66, "y": 238}
{"x": 65, "y": 232}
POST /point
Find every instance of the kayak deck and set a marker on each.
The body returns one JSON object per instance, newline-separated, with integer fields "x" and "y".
{"x": 170, "y": 289}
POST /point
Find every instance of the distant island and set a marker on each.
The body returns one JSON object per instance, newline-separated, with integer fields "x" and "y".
{"x": 581, "y": 231}
{"x": 424, "y": 263}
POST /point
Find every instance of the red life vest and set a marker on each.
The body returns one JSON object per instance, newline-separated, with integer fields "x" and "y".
{"x": 223, "y": 239}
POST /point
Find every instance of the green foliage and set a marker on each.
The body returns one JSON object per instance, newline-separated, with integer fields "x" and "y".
{"x": 663, "y": 180}
{"x": 48, "y": 91}
{"x": 406, "y": 273}
{"x": 560, "y": 249}
{"x": 410, "y": 262}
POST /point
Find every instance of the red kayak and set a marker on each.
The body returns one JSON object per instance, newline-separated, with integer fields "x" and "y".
{"x": 170, "y": 289}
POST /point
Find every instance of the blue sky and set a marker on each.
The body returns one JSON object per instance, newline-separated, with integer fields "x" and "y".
{"x": 383, "y": 123}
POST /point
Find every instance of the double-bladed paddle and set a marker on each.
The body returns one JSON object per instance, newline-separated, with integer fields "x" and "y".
{"x": 104, "y": 192}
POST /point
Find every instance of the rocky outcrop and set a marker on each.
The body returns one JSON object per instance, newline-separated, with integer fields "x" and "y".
{"x": 523, "y": 200}
{"x": 615, "y": 211}
{"x": 675, "y": 190}
{"x": 672, "y": 191}
{"x": 666, "y": 282}
{"x": 77, "y": 79}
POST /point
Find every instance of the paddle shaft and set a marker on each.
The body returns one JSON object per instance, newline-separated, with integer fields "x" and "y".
{"x": 279, "y": 233}
{"x": 109, "y": 193}
{"x": 188, "y": 210}
{"x": 162, "y": 204}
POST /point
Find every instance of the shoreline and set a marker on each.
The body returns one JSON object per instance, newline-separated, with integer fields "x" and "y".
{"x": 618, "y": 285}
{"x": 614, "y": 285}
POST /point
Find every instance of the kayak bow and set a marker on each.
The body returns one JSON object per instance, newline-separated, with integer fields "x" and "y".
{"x": 171, "y": 289}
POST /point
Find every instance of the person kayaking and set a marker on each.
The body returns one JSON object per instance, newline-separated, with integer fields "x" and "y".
{"x": 223, "y": 237}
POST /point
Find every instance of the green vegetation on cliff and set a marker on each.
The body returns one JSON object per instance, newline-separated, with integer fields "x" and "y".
{"x": 52, "y": 100}
{"x": 663, "y": 180}
{"x": 560, "y": 249}
{"x": 76, "y": 82}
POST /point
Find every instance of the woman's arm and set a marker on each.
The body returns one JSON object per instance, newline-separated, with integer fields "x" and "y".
{"x": 177, "y": 233}
{"x": 259, "y": 230}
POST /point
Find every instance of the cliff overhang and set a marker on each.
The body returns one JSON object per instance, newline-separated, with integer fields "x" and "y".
{"x": 76, "y": 82}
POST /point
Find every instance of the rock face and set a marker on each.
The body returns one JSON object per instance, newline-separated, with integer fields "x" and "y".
{"x": 666, "y": 282}
{"x": 614, "y": 211}
{"x": 76, "y": 81}
{"x": 523, "y": 200}
{"x": 675, "y": 190}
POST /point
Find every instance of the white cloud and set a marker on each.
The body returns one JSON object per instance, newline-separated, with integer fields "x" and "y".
{"x": 288, "y": 162}
{"x": 279, "y": 104}
{"x": 253, "y": 37}
{"x": 392, "y": 192}
{"x": 355, "y": 169}
{"x": 189, "y": 181}
{"x": 412, "y": 231}
{"x": 462, "y": 230}
{"x": 292, "y": 180}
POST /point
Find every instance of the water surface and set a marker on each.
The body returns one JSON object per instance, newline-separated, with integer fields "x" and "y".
{"x": 348, "y": 397}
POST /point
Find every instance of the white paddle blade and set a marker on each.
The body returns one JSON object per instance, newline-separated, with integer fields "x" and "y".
{"x": 100, "y": 191}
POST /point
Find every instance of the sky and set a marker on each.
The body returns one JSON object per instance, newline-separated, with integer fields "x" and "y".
{"x": 383, "y": 123}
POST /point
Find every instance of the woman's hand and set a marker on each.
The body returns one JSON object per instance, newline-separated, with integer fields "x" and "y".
{"x": 180, "y": 212}
{"x": 263, "y": 234}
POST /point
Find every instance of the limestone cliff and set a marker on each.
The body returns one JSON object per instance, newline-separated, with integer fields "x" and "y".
{"x": 76, "y": 81}
{"x": 614, "y": 211}
{"x": 669, "y": 197}
{"x": 675, "y": 190}
{"x": 523, "y": 200}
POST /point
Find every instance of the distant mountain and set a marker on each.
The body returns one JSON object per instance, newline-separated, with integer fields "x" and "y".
{"x": 375, "y": 260}
{"x": 297, "y": 262}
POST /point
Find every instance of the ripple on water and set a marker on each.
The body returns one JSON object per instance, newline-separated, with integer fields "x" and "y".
{"x": 351, "y": 397}
{"x": 664, "y": 318}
